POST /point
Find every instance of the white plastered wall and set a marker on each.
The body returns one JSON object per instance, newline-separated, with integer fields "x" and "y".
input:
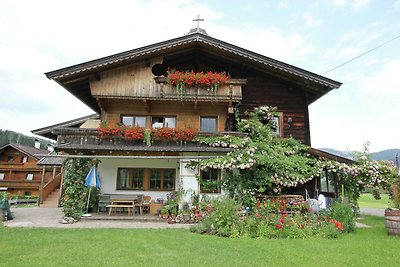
{"x": 108, "y": 169}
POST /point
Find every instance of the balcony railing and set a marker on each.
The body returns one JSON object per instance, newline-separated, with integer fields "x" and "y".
{"x": 90, "y": 138}
{"x": 230, "y": 91}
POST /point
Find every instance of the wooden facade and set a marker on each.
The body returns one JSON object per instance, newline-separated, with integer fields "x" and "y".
{"x": 133, "y": 83}
{"x": 19, "y": 171}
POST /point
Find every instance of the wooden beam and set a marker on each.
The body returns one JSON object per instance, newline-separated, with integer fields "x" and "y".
{"x": 41, "y": 186}
{"x": 147, "y": 105}
{"x": 195, "y": 106}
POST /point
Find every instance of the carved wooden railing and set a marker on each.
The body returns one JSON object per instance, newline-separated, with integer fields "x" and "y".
{"x": 91, "y": 137}
{"x": 230, "y": 91}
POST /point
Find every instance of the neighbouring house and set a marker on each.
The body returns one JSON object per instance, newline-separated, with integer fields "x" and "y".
{"x": 23, "y": 172}
{"x": 131, "y": 89}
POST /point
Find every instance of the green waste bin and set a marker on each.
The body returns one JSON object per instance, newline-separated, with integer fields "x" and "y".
{"x": 5, "y": 209}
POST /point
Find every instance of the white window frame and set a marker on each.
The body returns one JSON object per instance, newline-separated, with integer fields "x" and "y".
{"x": 29, "y": 177}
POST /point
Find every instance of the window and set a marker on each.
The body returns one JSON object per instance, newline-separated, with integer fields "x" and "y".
{"x": 130, "y": 178}
{"x": 1, "y": 176}
{"x": 326, "y": 182}
{"x": 155, "y": 179}
{"x": 134, "y": 121}
{"x": 162, "y": 179}
{"x": 29, "y": 177}
{"x": 10, "y": 158}
{"x": 163, "y": 122}
{"x": 169, "y": 179}
{"x": 209, "y": 181}
{"x": 208, "y": 124}
{"x": 146, "y": 179}
{"x": 276, "y": 124}
{"x": 24, "y": 159}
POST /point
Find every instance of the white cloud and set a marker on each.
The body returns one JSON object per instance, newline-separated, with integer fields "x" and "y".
{"x": 272, "y": 42}
{"x": 360, "y": 4}
{"x": 311, "y": 20}
{"x": 386, "y": 82}
{"x": 354, "y": 4}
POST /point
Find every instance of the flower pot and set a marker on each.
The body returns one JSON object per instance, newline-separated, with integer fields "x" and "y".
{"x": 165, "y": 216}
{"x": 392, "y": 221}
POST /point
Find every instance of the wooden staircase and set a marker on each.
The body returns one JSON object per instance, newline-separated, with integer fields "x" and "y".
{"x": 52, "y": 200}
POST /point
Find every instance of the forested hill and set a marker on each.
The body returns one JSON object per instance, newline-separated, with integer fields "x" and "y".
{"x": 7, "y": 136}
{"x": 388, "y": 154}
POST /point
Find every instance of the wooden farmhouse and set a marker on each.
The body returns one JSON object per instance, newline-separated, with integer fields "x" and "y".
{"x": 131, "y": 88}
{"x": 22, "y": 171}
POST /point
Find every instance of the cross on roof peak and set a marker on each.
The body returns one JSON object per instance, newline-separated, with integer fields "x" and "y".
{"x": 197, "y": 29}
{"x": 198, "y": 19}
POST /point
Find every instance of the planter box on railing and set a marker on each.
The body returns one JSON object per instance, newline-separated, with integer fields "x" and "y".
{"x": 230, "y": 91}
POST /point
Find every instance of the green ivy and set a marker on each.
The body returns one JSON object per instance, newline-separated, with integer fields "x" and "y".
{"x": 75, "y": 194}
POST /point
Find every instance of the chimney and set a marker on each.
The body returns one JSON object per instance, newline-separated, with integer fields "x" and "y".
{"x": 37, "y": 144}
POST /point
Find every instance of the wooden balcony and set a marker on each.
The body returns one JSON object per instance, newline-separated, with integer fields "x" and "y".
{"x": 231, "y": 91}
{"x": 89, "y": 140}
{"x": 147, "y": 87}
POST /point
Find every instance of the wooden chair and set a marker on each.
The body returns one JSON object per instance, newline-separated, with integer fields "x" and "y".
{"x": 146, "y": 204}
{"x": 104, "y": 201}
{"x": 139, "y": 204}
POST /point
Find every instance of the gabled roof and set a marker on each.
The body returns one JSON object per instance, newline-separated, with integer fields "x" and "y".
{"x": 28, "y": 150}
{"x": 51, "y": 161}
{"x": 47, "y": 131}
{"x": 70, "y": 75}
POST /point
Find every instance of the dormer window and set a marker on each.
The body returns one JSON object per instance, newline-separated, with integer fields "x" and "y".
{"x": 163, "y": 122}
{"x": 133, "y": 121}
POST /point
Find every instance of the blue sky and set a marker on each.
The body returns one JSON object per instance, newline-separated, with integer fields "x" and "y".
{"x": 314, "y": 35}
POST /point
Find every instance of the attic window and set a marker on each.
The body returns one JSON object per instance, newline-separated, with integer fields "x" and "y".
{"x": 24, "y": 159}
{"x": 1, "y": 176}
{"x": 29, "y": 177}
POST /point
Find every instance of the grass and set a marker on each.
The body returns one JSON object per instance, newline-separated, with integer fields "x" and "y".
{"x": 368, "y": 201}
{"x": 179, "y": 247}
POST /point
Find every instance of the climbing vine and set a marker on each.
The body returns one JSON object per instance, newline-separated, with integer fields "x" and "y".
{"x": 262, "y": 162}
{"x": 74, "y": 196}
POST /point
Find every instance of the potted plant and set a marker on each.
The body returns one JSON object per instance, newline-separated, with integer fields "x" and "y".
{"x": 392, "y": 215}
{"x": 164, "y": 212}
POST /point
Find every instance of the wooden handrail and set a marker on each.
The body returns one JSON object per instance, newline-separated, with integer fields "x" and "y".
{"x": 49, "y": 187}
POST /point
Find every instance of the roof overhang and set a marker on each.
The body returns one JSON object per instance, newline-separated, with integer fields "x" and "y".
{"x": 48, "y": 130}
{"x": 76, "y": 78}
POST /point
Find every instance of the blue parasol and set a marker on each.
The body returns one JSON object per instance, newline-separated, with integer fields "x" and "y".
{"x": 92, "y": 180}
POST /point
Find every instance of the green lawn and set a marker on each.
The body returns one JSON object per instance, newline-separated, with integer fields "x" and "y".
{"x": 141, "y": 247}
{"x": 368, "y": 201}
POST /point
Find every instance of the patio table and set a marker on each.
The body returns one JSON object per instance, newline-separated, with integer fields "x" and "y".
{"x": 128, "y": 203}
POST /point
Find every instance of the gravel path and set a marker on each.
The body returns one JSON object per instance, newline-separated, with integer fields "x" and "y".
{"x": 48, "y": 218}
{"x": 371, "y": 211}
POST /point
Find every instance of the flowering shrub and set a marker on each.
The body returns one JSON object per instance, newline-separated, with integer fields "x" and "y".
{"x": 268, "y": 220}
{"x": 182, "y": 80}
{"x": 264, "y": 163}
